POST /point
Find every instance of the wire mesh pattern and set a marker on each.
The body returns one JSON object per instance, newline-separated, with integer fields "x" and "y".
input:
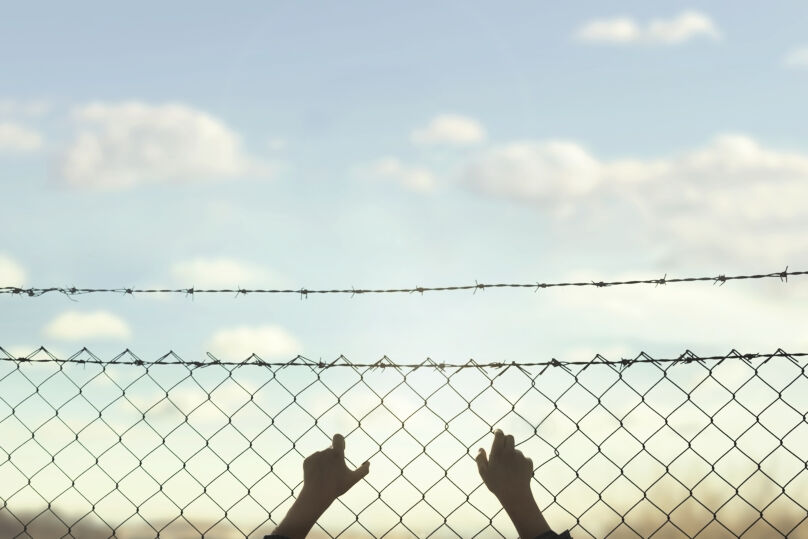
{"x": 720, "y": 279}
{"x": 713, "y": 446}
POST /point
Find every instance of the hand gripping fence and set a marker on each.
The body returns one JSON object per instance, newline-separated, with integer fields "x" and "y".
{"x": 690, "y": 446}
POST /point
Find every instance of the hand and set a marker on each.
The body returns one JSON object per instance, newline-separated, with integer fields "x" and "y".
{"x": 507, "y": 474}
{"x": 325, "y": 475}
{"x": 325, "y": 478}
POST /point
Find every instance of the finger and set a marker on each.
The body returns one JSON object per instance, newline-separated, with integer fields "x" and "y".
{"x": 482, "y": 463}
{"x": 338, "y": 443}
{"x": 529, "y": 465}
{"x": 509, "y": 442}
{"x": 498, "y": 444}
{"x": 359, "y": 473}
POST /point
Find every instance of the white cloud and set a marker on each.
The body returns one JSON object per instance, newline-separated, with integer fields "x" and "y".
{"x": 797, "y": 58}
{"x": 614, "y": 30}
{"x": 94, "y": 325}
{"x": 687, "y": 25}
{"x": 535, "y": 171}
{"x": 624, "y": 30}
{"x": 127, "y": 144}
{"x": 413, "y": 178}
{"x": 11, "y": 272}
{"x": 220, "y": 272}
{"x": 730, "y": 198}
{"x": 267, "y": 342}
{"x": 189, "y": 400}
{"x": 451, "y": 129}
{"x": 693, "y": 316}
{"x": 18, "y": 138}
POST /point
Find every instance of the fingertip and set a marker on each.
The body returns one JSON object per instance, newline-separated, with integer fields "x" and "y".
{"x": 364, "y": 469}
{"x": 498, "y": 444}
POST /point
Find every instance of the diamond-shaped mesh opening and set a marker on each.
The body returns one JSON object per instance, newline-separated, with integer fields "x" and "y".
{"x": 685, "y": 448}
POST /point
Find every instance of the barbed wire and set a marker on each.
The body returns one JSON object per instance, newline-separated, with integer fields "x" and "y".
{"x": 71, "y": 291}
{"x": 127, "y": 357}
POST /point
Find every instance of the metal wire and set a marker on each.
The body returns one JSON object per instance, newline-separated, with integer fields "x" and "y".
{"x": 305, "y": 292}
{"x": 691, "y": 446}
{"x": 127, "y": 357}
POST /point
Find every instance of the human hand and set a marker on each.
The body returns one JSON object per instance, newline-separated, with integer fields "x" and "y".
{"x": 507, "y": 474}
{"x": 325, "y": 478}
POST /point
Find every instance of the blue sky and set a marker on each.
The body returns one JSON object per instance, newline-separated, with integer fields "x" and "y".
{"x": 372, "y": 144}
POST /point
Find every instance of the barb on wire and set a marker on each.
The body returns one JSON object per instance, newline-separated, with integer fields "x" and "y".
{"x": 127, "y": 357}
{"x": 353, "y": 291}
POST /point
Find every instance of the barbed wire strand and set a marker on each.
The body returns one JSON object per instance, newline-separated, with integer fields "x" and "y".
{"x": 305, "y": 292}
{"x": 129, "y": 358}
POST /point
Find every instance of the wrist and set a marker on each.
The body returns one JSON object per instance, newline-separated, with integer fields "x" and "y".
{"x": 525, "y": 514}
{"x": 516, "y": 499}
{"x": 313, "y": 501}
{"x": 307, "y": 508}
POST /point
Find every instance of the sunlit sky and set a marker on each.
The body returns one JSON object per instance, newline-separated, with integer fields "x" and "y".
{"x": 377, "y": 144}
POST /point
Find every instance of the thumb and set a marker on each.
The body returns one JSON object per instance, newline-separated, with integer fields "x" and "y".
{"x": 359, "y": 473}
{"x": 482, "y": 463}
{"x": 338, "y": 444}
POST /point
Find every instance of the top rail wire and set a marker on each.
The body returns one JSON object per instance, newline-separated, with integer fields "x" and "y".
{"x": 305, "y": 292}
{"x": 127, "y": 357}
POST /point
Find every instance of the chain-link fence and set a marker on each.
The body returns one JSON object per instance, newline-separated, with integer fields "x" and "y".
{"x": 684, "y": 447}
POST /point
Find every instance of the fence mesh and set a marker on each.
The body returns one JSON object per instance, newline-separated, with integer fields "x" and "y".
{"x": 680, "y": 447}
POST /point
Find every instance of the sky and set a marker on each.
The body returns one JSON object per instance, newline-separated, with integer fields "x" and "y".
{"x": 377, "y": 144}
{"x": 370, "y": 144}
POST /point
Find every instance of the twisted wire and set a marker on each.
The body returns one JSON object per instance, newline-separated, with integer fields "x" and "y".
{"x": 303, "y": 292}
{"x": 127, "y": 357}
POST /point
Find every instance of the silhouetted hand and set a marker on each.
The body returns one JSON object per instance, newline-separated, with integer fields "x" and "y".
{"x": 507, "y": 474}
{"x": 326, "y": 475}
{"x": 325, "y": 478}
